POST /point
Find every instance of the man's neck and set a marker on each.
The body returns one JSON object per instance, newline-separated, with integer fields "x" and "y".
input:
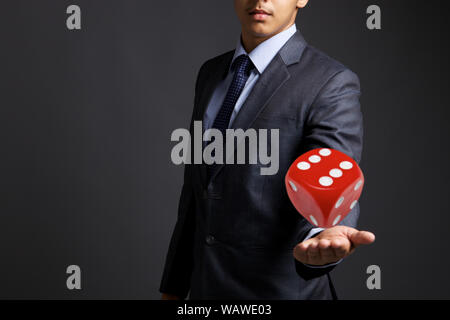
{"x": 250, "y": 41}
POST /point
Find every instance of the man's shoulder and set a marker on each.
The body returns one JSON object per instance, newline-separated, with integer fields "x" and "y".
{"x": 313, "y": 60}
{"x": 217, "y": 60}
{"x": 320, "y": 63}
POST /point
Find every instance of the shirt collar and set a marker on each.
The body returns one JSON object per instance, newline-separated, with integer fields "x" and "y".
{"x": 263, "y": 54}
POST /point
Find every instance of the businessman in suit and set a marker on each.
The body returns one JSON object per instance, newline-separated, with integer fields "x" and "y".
{"x": 237, "y": 235}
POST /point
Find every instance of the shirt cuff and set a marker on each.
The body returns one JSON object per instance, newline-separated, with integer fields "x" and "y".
{"x": 313, "y": 232}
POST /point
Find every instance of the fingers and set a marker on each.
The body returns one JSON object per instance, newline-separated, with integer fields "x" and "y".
{"x": 331, "y": 247}
{"x": 167, "y": 296}
{"x": 327, "y": 253}
{"x": 315, "y": 252}
{"x": 308, "y": 251}
{"x": 341, "y": 247}
{"x": 361, "y": 237}
{"x": 300, "y": 252}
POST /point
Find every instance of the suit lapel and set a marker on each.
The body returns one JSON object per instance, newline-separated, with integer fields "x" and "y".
{"x": 266, "y": 86}
{"x": 215, "y": 75}
{"x": 268, "y": 83}
{"x": 275, "y": 75}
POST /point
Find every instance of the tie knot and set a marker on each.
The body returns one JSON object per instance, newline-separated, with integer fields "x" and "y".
{"x": 242, "y": 64}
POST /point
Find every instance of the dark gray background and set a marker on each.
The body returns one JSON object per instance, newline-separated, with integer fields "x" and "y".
{"x": 86, "y": 117}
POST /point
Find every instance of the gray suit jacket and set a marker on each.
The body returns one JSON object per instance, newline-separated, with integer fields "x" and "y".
{"x": 234, "y": 236}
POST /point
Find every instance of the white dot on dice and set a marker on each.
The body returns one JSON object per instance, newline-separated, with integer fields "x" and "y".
{"x": 346, "y": 165}
{"x": 293, "y": 186}
{"x": 358, "y": 185}
{"x": 353, "y": 204}
{"x": 314, "y": 159}
{"x": 313, "y": 220}
{"x": 336, "y": 173}
{"x": 339, "y": 202}
{"x": 336, "y": 220}
{"x": 325, "y": 181}
{"x": 303, "y": 165}
{"x": 325, "y": 152}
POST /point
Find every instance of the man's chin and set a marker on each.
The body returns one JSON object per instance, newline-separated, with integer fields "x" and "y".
{"x": 261, "y": 32}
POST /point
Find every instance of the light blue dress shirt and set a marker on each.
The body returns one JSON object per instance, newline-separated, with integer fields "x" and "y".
{"x": 261, "y": 57}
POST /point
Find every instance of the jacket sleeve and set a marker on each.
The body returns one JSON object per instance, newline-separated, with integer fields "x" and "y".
{"x": 335, "y": 121}
{"x": 179, "y": 259}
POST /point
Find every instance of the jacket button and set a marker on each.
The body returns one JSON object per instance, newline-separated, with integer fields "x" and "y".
{"x": 210, "y": 239}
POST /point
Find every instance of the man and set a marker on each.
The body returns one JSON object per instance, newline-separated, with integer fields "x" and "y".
{"x": 237, "y": 235}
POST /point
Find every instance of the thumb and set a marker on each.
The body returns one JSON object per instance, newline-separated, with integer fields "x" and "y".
{"x": 361, "y": 237}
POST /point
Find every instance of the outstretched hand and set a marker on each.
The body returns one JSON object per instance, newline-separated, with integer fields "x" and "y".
{"x": 331, "y": 245}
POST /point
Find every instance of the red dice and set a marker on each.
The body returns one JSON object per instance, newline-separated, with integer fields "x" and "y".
{"x": 324, "y": 185}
